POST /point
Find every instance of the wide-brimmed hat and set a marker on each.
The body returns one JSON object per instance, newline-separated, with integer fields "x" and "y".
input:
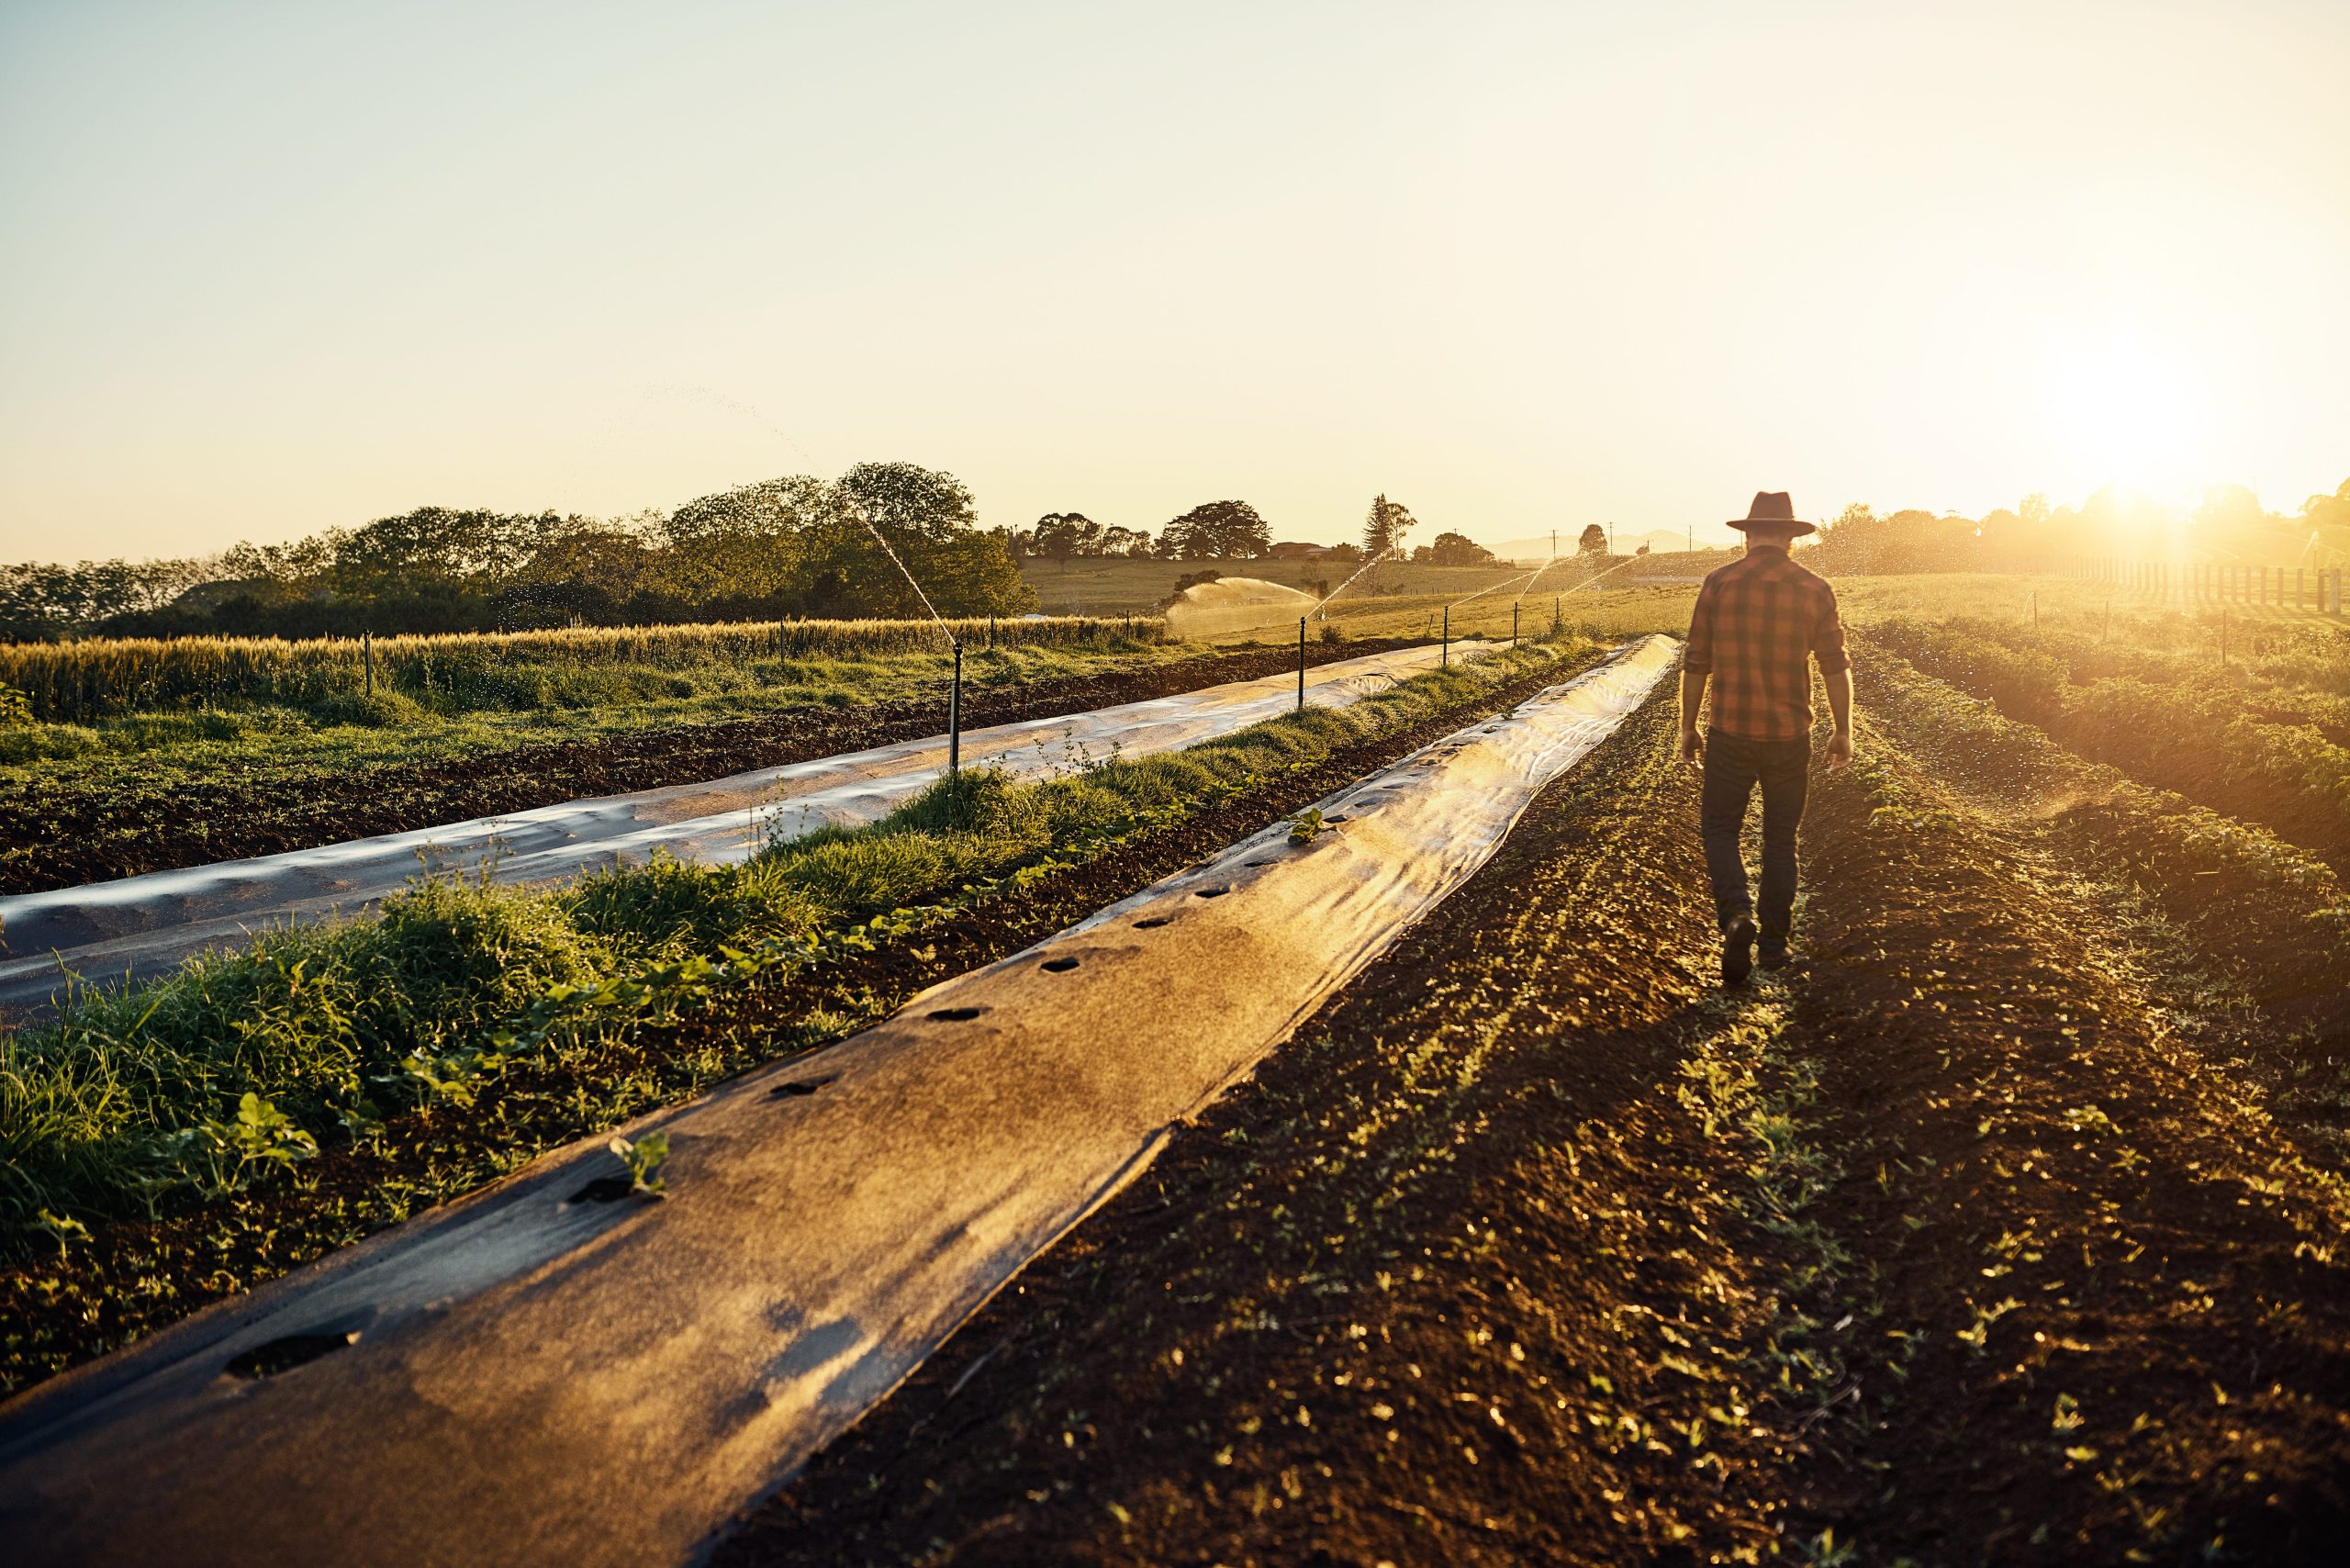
{"x": 1771, "y": 507}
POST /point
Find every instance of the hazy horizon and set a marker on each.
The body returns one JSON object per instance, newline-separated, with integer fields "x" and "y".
{"x": 268, "y": 272}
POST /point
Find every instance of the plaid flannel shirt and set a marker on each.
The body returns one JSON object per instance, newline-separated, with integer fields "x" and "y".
{"x": 1758, "y": 623}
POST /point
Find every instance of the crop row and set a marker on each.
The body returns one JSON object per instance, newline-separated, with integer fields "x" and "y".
{"x": 2260, "y": 752}
{"x": 2271, "y": 912}
{"x": 75, "y": 682}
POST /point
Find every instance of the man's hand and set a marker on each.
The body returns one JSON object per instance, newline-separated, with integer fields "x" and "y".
{"x": 1693, "y": 749}
{"x": 1839, "y": 751}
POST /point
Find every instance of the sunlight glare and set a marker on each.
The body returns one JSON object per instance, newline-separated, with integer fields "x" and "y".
{"x": 2126, "y": 410}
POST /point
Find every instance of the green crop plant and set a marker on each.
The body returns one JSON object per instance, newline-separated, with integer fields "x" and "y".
{"x": 643, "y": 1158}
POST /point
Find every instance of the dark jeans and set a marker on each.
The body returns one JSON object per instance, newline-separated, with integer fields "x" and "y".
{"x": 1734, "y": 765}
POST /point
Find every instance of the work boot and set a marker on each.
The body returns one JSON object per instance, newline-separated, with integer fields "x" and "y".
{"x": 1737, "y": 951}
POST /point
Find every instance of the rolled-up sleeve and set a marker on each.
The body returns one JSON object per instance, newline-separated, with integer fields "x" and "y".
{"x": 1828, "y": 637}
{"x": 1698, "y": 658}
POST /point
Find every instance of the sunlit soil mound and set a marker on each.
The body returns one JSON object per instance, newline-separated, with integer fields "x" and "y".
{"x": 1235, "y": 604}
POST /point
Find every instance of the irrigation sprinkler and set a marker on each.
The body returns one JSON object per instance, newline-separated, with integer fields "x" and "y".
{"x": 1444, "y": 657}
{"x": 1301, "y": 664}
{"x": 1512, "y": 625}
{"x": 367, "y": 657}
{"x": 954, "y": 692}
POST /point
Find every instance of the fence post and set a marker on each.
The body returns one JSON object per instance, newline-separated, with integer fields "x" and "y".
{"x": 2297, "y": 586}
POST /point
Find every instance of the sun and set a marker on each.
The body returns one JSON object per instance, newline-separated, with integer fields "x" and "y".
{"x": 2125, "y": 410}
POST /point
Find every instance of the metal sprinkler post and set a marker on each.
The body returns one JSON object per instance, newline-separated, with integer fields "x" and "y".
{"x": 955, "y": 716}
{"x": 1513, "y": 623}
{"x": 1301, "y": 664}
{"x": 367, "y": 657}
{"x": 1444, "y": 658}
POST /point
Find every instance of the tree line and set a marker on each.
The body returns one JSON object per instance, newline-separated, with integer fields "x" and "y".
{"x": 2226, "y": 523}
{"x": 792, "y": 546}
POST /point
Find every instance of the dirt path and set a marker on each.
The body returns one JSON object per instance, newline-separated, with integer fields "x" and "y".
{"x": 1534, "y": 1249}
{"x": 1432, "y": 1289}
{"x": 56, "y": 839}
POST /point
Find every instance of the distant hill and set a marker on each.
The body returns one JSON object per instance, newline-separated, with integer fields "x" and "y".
{"x": 1659, "y": 541}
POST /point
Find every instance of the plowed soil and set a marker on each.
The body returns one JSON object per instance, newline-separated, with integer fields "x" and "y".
{"x": 51, "y": 838}
{"x": 1942, "y": 1247}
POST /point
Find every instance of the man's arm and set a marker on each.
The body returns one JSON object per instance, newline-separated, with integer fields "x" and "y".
{"x": 1840, "y": 708}
{"x": 1697, "y": 664}
{"x": 1693, "y": 698}
{"x": 1835, "y": 671}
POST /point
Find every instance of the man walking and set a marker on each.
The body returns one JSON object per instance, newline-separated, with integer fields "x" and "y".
{"x": 1759, "y": 623}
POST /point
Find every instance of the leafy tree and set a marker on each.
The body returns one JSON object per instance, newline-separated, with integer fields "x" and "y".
{"x": 1594, "y": 540}
{"x": 927, "y": 518}
{"x": 1457, "y": 550}
{"x": 1218, "y": 530}
{"x": 1061, "y": 534}
{"x": 749, "y": 543}
{"x": 1385, "y": 529}
{"x": 437, "y": 547}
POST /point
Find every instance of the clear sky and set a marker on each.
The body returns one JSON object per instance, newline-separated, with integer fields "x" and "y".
{"x": 265, "y": 268}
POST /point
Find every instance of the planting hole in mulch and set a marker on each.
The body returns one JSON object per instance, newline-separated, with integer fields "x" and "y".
{"x": 797, "y": 1089}
{"x": 1059, "y": 966}
{"x": 603, "y": 1189}
{"x": 956, "y": 1014}
{"x": 289, "y": 1351}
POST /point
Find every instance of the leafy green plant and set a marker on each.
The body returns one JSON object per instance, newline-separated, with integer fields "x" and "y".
{"x": 643, "y": 1158}
{"x": 1307, "y": 825}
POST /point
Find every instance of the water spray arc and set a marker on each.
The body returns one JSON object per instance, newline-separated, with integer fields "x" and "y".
{"x": 954, "y": 692}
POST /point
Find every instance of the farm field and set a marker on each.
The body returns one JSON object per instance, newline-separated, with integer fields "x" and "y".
{"x": 396, "y": 1062}
{"x": 179, "y": 785}
{"x": 2009, "y": 1229}
{"x": 2009, "y": 1226}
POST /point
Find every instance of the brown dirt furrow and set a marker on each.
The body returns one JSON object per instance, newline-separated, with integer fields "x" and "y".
{"x": 56, "y": 839}
{"x": 2105, "y": 1306}
{"x": 1453, "y": 1279}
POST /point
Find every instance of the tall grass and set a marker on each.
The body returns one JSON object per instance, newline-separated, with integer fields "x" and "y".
{"x": 65, "y": 682}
